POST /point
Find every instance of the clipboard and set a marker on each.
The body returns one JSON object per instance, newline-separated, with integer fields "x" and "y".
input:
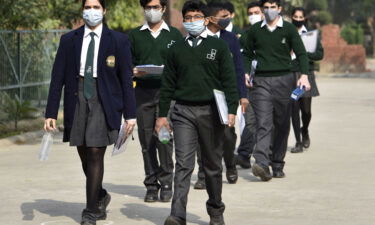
{"x": 222, "y": 106}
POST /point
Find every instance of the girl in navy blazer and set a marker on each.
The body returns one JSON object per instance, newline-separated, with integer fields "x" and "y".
{"x": 93, "y": 64}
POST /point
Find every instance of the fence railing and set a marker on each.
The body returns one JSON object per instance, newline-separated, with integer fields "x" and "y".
{"x": 26, "y": 59}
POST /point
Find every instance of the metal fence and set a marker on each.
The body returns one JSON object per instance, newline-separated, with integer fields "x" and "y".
{"x": 26, "y": 59}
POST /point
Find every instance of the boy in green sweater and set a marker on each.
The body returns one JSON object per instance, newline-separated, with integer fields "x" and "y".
{"x": 270, "y": 43}
{"x": 195, "y": 67}
{"x": 150, "y": 45}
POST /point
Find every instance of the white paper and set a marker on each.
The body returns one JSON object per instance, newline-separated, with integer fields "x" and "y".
{"x": 221, "y": 106}
{"x": 121, "y": 142}
{"x": 310, "y": 40}
{"x": 151, "y": 69}
{"x": 241, "y": 119}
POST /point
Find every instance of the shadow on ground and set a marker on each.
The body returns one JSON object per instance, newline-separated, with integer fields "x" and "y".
{"x": 128, "y": 190}
{"x": 155, "y": 215}
{"x": 52, "y": 208}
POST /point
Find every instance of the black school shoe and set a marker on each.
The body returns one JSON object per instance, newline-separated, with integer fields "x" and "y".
{"x": 217, "y": 220}
{"x": 242, "y": 162}
{"x": 152, "y": 195}
{"x": 171, "y": 220}
{"x": 200, "y": 184}
{"x": 104, "y": 202}
{"x": 278, "y": 173}
{"x": 306, "y": 140}
{"x": 262, "y": 171}
{"x": 232, "y": 175}
{"x": 298, "y": 148}
{"x": 89, "y": 217}
{"x": 166, "y": 193}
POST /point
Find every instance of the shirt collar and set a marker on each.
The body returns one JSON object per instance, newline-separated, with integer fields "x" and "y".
{"x": 210, "y": 33}
{"x": 202, "y": 35}
{"x": 280, "y": 22}
{"x": 303, "y": 30}
{"x": 98, "y": 31}
{"x": 229, "y": 27}
{"x": 164, "y": 26}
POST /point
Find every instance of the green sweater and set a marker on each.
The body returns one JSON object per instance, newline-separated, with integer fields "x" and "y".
{"x": 191, "y": 74}
{"x": 149, "y": 50}
{"x": 272, "y": 50}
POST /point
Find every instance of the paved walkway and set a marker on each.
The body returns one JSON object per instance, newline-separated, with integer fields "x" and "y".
{"x": 333, "y": 183}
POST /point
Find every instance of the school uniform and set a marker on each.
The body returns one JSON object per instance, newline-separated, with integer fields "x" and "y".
{"x": 150, "y": 47}
{"x": 304, "y": 103}
{"x": 235, "y": 29}
{"x": 273, "y": 85}
{"x": 229, "y": 144}
{"x": 194, "y": 67}
{"x": 92, "y": 110}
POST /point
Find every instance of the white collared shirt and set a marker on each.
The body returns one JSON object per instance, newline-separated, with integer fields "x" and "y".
{"x": 156, "y": 34}
{"x": 202, "y": 36}
{"x": 85, "y": 45}
{"x": 210, "y": 33}
{"x": 280, "y": 23}
{"x": 229, "y": 27}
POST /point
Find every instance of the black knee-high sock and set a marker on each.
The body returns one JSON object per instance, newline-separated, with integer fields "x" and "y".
{"x": 83, "y": 155}
{"x": 93, "y": 166}
{"x": 306, "y": 114}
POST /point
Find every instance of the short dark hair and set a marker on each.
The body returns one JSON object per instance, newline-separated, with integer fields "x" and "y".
{"x": 229, "y": 6}
{"x": 143, "y": 3}
{"x": 214, "y": 7}
{"x": 278, "y": 2}
{"x": 299, "y": 9}
{"x": 102, "y": 3}
{"x": 193, "y": 6}
{"x": 253, "y": 5}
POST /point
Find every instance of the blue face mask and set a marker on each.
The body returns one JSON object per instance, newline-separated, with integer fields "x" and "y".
{"x": 93, "y": 17}
{"x": 195, "y": 28}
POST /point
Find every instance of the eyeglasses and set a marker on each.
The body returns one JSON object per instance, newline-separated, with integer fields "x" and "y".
{"x": 155, "y": 7}
{"x": 195, "y": 17}
{"x": 270, "y": 7}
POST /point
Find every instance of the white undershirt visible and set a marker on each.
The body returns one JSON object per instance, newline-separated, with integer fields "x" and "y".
{"x": 85, "y": 45}
{"x": 280, "y": 23}
{"x": 210, "y": 33}
{"x": 202, "y": 36}
{"x": 156, "y": 33}
{"x": 229, "y": 27}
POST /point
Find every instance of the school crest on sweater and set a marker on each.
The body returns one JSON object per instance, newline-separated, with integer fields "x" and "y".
{"x": 212, "y": 55}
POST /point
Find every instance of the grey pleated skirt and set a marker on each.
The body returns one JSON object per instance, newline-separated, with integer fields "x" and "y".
{"x": 314, "y": 92}
{"x": 90, "y": 128}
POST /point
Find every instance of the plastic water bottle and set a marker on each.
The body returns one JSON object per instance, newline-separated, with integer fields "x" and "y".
{"x": 46, "y": 146}
{"x": 164, "y": 135}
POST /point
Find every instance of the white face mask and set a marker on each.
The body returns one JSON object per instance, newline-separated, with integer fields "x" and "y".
{"x": 93, "y": 17}
{"x": 255, "y": 18}
{"x": 153, "y": 15}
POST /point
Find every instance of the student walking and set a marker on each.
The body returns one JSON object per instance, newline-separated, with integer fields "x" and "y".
{"x": 195, "y": 67}
{"x": 270, "y": 43}
{"x": 304, "y": 103}
{"x": 93, "y": 64}
{"x": 150, "y": 45}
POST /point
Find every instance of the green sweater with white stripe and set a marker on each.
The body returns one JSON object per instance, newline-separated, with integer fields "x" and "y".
{"x": 272, "y": 50}
{"x": 191, "y": 74}
{"x": 149, "y": 50}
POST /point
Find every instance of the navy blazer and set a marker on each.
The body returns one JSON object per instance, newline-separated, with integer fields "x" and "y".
{"x": 235, "y": 48}
{"x": 115, "y": 85}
